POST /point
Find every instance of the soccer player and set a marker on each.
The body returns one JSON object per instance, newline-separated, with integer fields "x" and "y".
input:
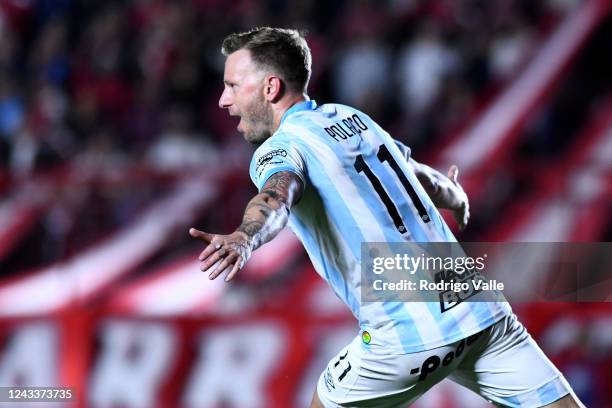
{"x": 338, "y": 179}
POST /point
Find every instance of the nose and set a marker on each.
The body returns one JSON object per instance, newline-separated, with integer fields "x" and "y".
{"x": 225, "y": 100}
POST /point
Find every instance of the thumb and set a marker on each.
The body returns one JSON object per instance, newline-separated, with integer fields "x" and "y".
{"x": 453, "y": 173}
{"x": 201, "y": 235}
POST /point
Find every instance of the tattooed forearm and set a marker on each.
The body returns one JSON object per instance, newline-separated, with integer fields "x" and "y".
{"x": 251, "y": 228}
{"x": 267, "y": 213}
{"x": 264, "y": 208}
{"x": 272, "y": 193}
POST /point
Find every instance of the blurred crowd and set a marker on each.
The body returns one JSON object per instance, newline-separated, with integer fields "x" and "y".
{"x": 107, "y": 85}
{"x": 109, "y": 82}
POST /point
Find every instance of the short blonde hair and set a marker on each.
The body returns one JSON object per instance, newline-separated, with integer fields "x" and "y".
{"x": 282, "y": 51}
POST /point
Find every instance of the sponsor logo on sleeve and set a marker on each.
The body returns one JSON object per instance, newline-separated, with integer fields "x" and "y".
{"x": 272, "y": 157}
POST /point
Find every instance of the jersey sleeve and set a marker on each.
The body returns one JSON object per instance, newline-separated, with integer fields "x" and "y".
{"x": 276, "y": 154}
{"x": 404, "y": 149}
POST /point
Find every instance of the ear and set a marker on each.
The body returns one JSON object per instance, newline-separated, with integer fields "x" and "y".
{"x": 272, "y": 88}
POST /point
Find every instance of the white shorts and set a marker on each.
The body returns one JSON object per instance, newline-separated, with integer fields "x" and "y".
{"x": 502, "y": 363}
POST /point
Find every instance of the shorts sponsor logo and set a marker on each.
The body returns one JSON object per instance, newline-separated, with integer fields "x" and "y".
{"x": 432, "y": 363}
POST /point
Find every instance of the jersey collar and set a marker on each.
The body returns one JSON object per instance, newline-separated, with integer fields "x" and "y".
{"x": 302, "y": 106}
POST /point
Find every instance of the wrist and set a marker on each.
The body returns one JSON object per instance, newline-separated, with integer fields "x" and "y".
{"x": 248, "y": 239}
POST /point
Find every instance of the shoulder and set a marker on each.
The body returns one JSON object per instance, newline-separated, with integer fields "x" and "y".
{"x": 280, "y": 139}
{"x": 349, "y": 109}
{"x": 307, "y": 122}
{"x": 282, "y": 149}
{"x": 276, "y": 146}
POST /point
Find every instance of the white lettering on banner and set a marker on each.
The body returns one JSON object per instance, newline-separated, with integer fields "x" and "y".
{"x": 233, "y": 366}
{"x": 134, "y": 360}
{"x": 30, "y": 357}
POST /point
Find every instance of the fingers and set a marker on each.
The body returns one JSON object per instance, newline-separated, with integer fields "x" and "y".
{"x": 463, "y": 217}
{"x": 223, "y": 265}
{"x": 235, "y": 269}
{"x": 234, "y": 261}
{"x": 209, "y": 261}
{"x": 453, "y": 173}
{"x": 201, "y": 235}
{"x": 466, "y": 218}
{"x": 462, "y": 224}
{"x": 224, "y": 253}
{"x": 209, "y": 250}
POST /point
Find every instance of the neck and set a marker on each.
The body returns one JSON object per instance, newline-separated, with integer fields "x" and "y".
{"x": 284, "y": 105}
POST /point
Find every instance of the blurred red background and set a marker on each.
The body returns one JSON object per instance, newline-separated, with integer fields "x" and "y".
{"x": 112, "y": 145}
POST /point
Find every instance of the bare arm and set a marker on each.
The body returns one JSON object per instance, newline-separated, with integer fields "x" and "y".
{"x": 444, "y": 191}
{"x": 265, "y": 216}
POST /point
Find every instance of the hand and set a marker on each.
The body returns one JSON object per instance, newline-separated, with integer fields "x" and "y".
{"x": 462, "y": 213}
{"x": 231, "y": 251}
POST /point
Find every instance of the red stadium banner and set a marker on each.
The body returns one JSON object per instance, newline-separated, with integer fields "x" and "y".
{"x": 259, "y": 359}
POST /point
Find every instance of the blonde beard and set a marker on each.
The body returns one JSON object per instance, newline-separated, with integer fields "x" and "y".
{"x": 262, "y": 120}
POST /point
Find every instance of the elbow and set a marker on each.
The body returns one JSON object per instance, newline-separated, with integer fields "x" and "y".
{"x": 282, "y": 208}
{"x": 284, "y": 211}
{"x": 276, "y": 205}
{"x": 272, "y": 200}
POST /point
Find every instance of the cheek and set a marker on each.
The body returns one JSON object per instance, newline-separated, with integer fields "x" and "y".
{"x": 241, "y": 101}
{"x": 249, "y": 105}
{"x": 251, "y": 95}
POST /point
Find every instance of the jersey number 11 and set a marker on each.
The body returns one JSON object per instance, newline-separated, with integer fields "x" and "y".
{"x": 384, "y": 155}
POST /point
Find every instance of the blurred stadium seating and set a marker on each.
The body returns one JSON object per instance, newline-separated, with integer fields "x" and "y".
{"x": 112, "y": 145}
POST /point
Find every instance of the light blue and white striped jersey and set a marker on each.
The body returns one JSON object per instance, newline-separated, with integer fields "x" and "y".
{"x": 359, "y": 188}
